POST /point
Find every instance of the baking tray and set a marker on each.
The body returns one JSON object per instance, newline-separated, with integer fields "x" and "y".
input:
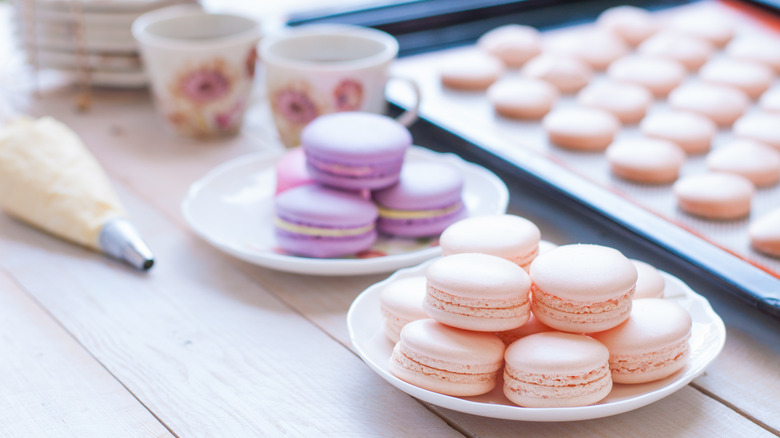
{"x": 465, "y": 123}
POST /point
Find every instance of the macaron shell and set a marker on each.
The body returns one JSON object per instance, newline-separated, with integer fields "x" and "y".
{"x": 689, "y": 51}
{"x": 582, "y": 288}
{"x": 631, "y": 23}
{"x": 764, "y": 233}
{"x": 325, "y": 207}
{"x": 522, "y": 98}
{"x": 513, "y": 44}
{"x": 761, "y": 127}
{"x": 658, "y": 75}
{"x": 715, "y": 195}
{"x": 401, "y": 302}
{"x": 315, "y": 221}
{"x": 755, "y": 161}
{"x": 422, "y": 186}
{"x": 645, "y": 160}
{"x": 595, "y": 47}
{"x": 356, "y": 137}
{"x": 750, "y": 77}
{"x": 586, "y": 129}
{"x": 567, "y": 73}
{"x": 719, "y": 103}
{"x": 554, "y": 369}
{"x": 507, "y": 236}
{"x": 627, "y": 102}
{"x": 531, "y": 327}
{"x": 472, "y": 71}
{"x": 649, "y": 281}
{"x": 446, "y": 359}
{"x": 291, "y": 171}
{"x": 651, "y": 344}
{"x": 584, "y": 272}
{"x": 355, "y": 151}
{"x": 692, "y": 132}
{"x": 477, "y": 292}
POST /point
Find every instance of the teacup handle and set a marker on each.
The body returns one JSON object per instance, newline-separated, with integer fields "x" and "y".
{"x": 410, "y": 115}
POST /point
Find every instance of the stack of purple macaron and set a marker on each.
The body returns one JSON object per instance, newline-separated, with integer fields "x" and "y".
{"x": 361, "y": 187}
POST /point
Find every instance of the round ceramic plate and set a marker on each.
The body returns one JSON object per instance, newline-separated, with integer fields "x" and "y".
{"x": 130, "y": 63}
{"x": 708, "y": 336}
{"x": 232, "y": 208}
{"x": 107, "y": 5}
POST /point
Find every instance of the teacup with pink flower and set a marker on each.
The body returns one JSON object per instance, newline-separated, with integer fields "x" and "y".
{"x": 319, "y": 69}
{"x": 201, "y": 67}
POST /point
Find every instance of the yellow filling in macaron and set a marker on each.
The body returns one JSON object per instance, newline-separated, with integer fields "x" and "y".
{"x": 416, "y": 214}
{"x": 326, "y": 232}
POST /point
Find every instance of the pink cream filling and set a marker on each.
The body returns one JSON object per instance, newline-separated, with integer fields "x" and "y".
{"x": 475, "y": 307}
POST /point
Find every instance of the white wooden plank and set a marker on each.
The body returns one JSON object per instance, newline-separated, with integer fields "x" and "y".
{"x": 51, "y": 386}
{"x": 685, "y": 414}
{"x": 159, "y": 166}
{"x": 206, "y": 349}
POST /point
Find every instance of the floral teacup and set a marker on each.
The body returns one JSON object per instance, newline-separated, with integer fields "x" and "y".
{"x": 319, "y": 69}
{"x": 200, "y": 65}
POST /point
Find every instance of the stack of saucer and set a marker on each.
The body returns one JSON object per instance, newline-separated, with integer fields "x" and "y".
{"x": 89, "y": 40}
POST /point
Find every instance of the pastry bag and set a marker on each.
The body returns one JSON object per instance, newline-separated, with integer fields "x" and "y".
{"x": 50, "y": 180}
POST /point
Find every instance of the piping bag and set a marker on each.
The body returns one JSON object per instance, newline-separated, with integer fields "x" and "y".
{"x": 50, "y": 180}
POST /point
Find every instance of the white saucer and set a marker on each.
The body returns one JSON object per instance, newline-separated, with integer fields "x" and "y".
{"x": 107, "y": 6}
{"x": 231, "y": 207}
{"x": 365, "y": 324}
{"x": 130, "y": 63}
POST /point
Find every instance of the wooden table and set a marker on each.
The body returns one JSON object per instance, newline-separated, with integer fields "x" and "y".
{"x": 207, "y": 345}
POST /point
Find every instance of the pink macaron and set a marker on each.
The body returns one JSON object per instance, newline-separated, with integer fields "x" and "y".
{"x": 291, "y": 171}
{"x": 531, "y": 327}
{"x": 401, "y": 302}
{"x": 507, "y": 236}
{"x": 556, "y": 369}
{"x": 447, "y": 360}
{"x": 477, "y": 292}
{"x": 425, "y": 201}
{"x": 582, "y": 288}
{"x": 355, "y": 150}
{"x": 651, "y": 344}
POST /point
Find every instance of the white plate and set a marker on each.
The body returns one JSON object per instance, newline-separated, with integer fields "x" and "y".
{"x": 232, "y": 208}
{"x": 105, "y": 6}
{"x": 129, "y": 63}
{"x": 708, "y": 336}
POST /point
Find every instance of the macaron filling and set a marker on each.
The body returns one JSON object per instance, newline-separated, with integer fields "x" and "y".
{"x": 477, "y": 307}
{"x": 310, "y": 230}
{"x": 648, "y": 366}
{"x": 548, "y": 304}
{"x": 543, "y": 386}
{"x": 324, "y": 166}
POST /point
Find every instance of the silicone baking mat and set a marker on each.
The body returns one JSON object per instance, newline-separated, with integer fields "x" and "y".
{"x": 524, "y": 143}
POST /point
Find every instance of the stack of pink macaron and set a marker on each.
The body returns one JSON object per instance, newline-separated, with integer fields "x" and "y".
{"x": 563, "y": 331}
{"x": 350, "y": 181}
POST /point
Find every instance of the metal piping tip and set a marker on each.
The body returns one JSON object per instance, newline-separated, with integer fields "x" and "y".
{"x": 120, "y": 239}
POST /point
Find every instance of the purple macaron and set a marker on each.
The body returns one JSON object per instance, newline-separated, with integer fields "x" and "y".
{"x": 354, "y": 150}
{"x": 425, "y": 201}
{"x": 316, "y": 221}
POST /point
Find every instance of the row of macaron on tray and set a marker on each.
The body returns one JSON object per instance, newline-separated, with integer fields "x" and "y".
{"x": 689, "y": 82}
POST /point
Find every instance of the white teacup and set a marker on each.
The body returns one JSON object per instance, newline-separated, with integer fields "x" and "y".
{"x": 319, "y": 69}
{"x": 200, "y": 65}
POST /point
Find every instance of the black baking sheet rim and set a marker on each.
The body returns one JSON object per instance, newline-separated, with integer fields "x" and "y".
{"x": 425, "y": 26}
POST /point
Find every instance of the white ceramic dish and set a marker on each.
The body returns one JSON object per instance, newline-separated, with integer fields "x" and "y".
{"x": 231, "y": 207}
{"x": 106, "y": 6}
{"x": 124, "y": 80}
{"x": 130, "y": 63}
{"x": 708, "y": 336}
